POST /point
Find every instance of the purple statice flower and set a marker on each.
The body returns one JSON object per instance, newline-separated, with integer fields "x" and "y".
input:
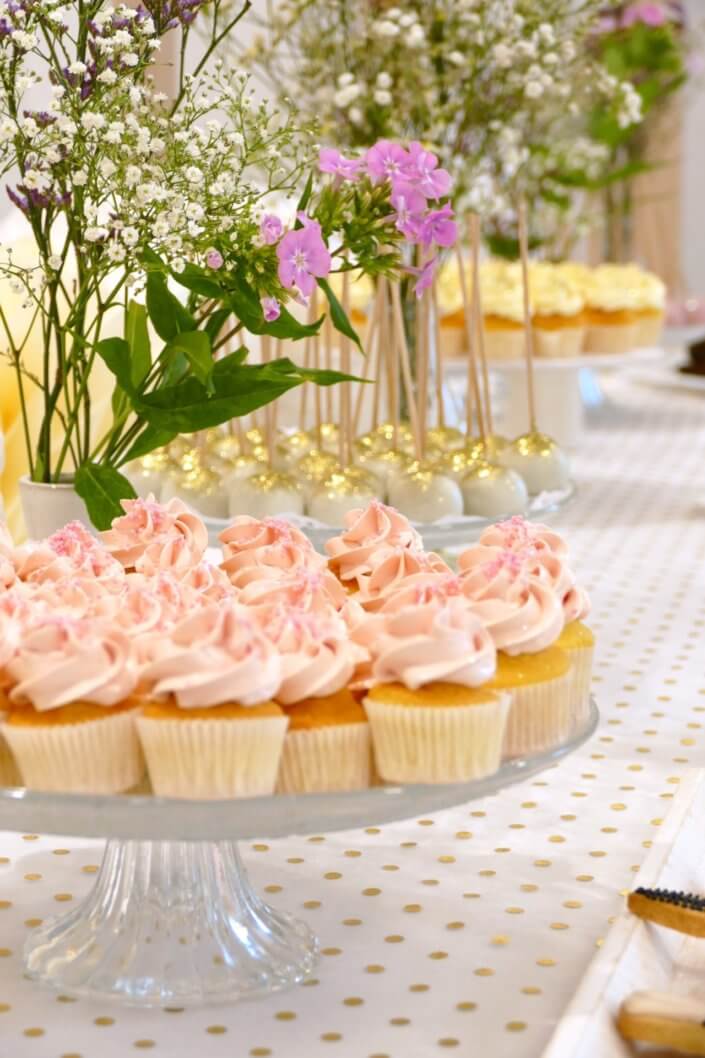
{"x": 409, "y": 204}
{"x": 271, "y": 309}
{"x": 333, "y": 162}
{"x": 42, "y": 117}
{"x": 650, "y": 14}
{"x": 214, "y": 259}
{"x": 424, "y": 275}
{"x": 386, "y": 161}
{"x": 438, "y": 226}
{"x": 21, "y": 201}
{"x": 423, "y": 172}
{"x": 270, "y": 229}
{"x": 303, "y": 257}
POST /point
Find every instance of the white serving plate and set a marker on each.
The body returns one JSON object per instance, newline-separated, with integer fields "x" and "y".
{"x": 638, "y": 955}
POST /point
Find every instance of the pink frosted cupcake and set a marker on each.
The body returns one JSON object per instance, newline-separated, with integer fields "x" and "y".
{"x": 518, "y": 534}
{"x": 211, "y": 728}
{"x": 394, "y": 573}
{"x": 147, "y": 524}
{"x": 370, "y": 535}
{"x": 327, "y": 745}
{"x": 71, "y": 722}
{"x": 305, "y": 591}
{"x": 271, "y": 543}
{"x": 433, "y": 712}
{"x": 524, "y": 616}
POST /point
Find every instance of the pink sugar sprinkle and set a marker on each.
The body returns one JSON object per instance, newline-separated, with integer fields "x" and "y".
{"x": 506, "y": 560}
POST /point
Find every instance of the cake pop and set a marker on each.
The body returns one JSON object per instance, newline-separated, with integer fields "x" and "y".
{"x": 292, "y": 446}
{"x": 200, "y": 488}
{"x": 147, "y": 474}
{"x": 492, "y": 491}
{"x": 544, "y": 466}
{"x": 266, "y": 494}
{"x": 313, "y": 469}
{"x": 343, "y": 491}
{"x": 424, "y": 495}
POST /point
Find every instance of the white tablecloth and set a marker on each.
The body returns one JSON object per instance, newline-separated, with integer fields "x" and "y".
{"x": 467, "y": 932}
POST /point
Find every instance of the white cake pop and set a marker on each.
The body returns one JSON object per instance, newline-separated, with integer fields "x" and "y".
{"x": 543, "y": 465}
{"x": 487, "y": 448}
{"x": 445, "y": 438}
{"x": 384, "y": 465}
{"x": 424, "y": 495}
{"x": 291, "y": 447}
{"x": 200, "y": 488}
{"x": 325, "y": 437}
{"x": 344, "y": 490}
{"x": 454, "y": 464}
{"x": 492, "y": 491}
{"x": 266, "y": 494}
{"x": 147, "y": 475}
{"x": 382, "y": 438}
{"x": 313, "y": 469}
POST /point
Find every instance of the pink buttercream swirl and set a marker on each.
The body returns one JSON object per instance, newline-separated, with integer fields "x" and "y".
{"x": 319, "y": 593}
{"x": 370, "y": 534}
{"x": 393, "y": 573}
{"x": 518, "y": 534}
{"x": 426, "y": 644}
{"x": 317, "y": 656}
{"x": 61, "y": 661}
{"x": 216, "y": 656}
{"x": 147, "y": 524}
{"x": 522, "y": 611}
{"x": 68, "y": 554}
{"x": 270, "y": 542}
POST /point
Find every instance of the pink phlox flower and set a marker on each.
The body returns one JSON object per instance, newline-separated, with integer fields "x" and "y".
{"x": 214, "y": 259}
{"x": 409, "y": 204}
{"x": 425, "y": 275}
{"x": 422, "y": 171}
{"x": 386, "y": 161}
{"x": 270, "y": 229}
{"x": 303, "y": 257}
{"x": 271, "y": 309}
{"x": 333, "y": 162}
{"x": 650, "y": 14}
{"x": 438, "y": 226}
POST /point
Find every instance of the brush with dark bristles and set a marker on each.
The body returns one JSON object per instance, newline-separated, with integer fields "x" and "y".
{"x": 684, "y": 912}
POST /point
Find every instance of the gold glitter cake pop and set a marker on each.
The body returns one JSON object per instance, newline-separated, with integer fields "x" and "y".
{"x": 313, "y": 468}
{"x": 444, "y": 437}
{"x": 492, "y": 491}
{"x": 291, "y": 447}
{"x": 147, "y": 474}
{"x": 266, "y": 494}
{"x": 544, "y": 466}
{"x": 343, "y": 491}
{"x": 200, "y": 488}
{"x": 424, "y": 495}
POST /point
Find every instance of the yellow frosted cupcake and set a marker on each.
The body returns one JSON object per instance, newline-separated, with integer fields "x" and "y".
{"x": 525, "y": 619}
{"x": 327, "y": 745}
{"x": 612, "y": 320}
{"x": 433, "y": 714}
{"x": 71, "y": 721}
{"x": 558, "y": 319}
{"x": 212, "y": 729}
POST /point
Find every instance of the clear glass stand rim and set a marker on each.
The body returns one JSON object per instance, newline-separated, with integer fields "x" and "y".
{"x": 150, "y": 818}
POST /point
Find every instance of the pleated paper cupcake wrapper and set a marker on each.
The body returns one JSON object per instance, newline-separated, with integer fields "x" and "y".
{"x": 324, "y": 759}
{"x": 9, "y": 772}
{"x": 611, "y": 338}
{"x": 564, "y": 342}
{"x": 100, "y": 756}
{"x": 212, "y": 759}
{"x": 540, "y": 717}
{"x": 435, "y": 743}
{"x": 649, "y": 330}
{"x": 504, "y": 344}
{"x": 581, "y": 671}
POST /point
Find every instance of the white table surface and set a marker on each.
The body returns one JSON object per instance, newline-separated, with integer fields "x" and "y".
{"x": 465, "y": 933}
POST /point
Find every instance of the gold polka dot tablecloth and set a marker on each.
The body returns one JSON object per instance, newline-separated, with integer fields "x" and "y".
{"x": 475, "y": 924}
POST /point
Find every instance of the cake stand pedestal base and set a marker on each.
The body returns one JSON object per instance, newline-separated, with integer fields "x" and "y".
{"x": 171, "y": 923}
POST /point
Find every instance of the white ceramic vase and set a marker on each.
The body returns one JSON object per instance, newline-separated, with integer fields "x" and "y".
{"x": 48, "y": 507}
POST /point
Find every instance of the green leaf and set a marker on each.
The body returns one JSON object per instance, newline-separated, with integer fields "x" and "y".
{"x": 137, "y": 338}
{"x": 305, "y": 197}
{"x": 245, "y": 304}
{"x": 101, "y": 488}
{"x": 169, "y": 317}
{"x": 151, "y": 437}
{"x": 199, "y": 281}
{"x": 196, "y": 347}
{"x": 338, "y": 315}
{"x": 215, "y": 323}
{"x": 237, "y": 390}
{"x": 115, "y": 353}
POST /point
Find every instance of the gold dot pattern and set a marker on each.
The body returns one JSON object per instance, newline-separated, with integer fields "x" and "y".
{"x": 477, "y": 922}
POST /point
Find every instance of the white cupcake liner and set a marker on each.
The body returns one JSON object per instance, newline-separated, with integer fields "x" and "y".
{"x": 649, "y": 329}
{"x": 581, "y": 672}
{"x": 453, "y": 341}
{"x": 504, "y": 343}
{"x": 437, "y": 743}
{"x": 564, "y": 342}
{"x": 614, "y": 338}
{"x": 213, "y": 759}
{"x": 322, "y": 759}
{"x": 540, "y": 717}
{"x": 99, "y": 756}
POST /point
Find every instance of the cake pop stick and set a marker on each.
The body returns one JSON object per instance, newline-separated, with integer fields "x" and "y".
{"x": 382, "y": 333}
{"x": 344, "y": 435}
{"x": 328, "y": 364}
{"x": 400, "y": 337}
{"x": 422, "y": 350}
{"x": 528, "y": 329}
{"x": 473, "y": 385}
{"x": 371, "y": 350}
{"x": 475, "y": 235}
{"x": 318, "y": 403}
{"x": 269, "y": 409}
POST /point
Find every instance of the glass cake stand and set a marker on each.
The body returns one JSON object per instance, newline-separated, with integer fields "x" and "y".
{"x": 172, "y": 919}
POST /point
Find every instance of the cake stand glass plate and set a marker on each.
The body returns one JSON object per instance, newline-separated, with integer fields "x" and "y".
{"x": 172, "y": 919}
{"x": 445, "y": 533}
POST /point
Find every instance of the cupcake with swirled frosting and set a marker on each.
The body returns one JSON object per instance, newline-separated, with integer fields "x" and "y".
{"x": 327, "y": 746}
{"x": 71, "y": 721}
{"x": 370, "y": 534}
{"x": 147, "y": 524}
{"x": 524, "y": 616}
{"x": 433, "y": 712}
{"x": 211, "y": 728}
{"x": 269, "y": 542}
